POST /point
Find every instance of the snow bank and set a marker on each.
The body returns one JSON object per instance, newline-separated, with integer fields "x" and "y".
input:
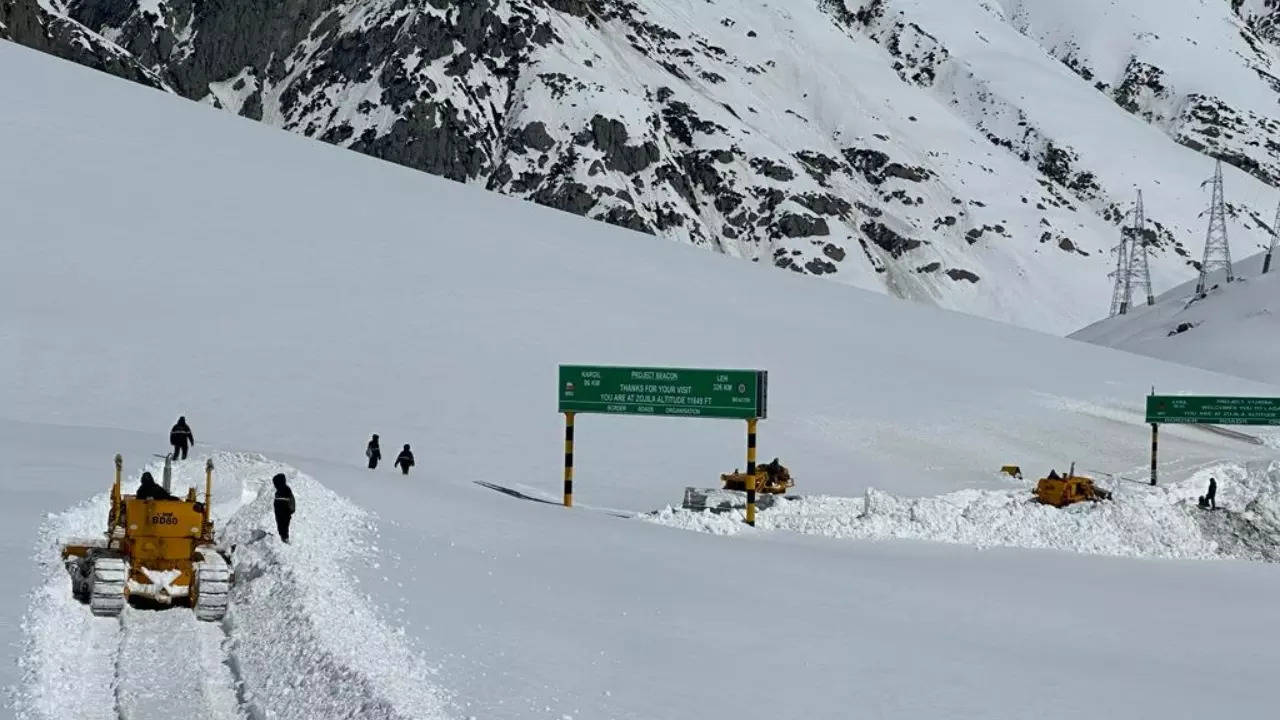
{"x": 304, "y": 639}
{"x": 1141, "y": 521}
{"x": 68, "y": 655}
{"x": 299, "y": 641}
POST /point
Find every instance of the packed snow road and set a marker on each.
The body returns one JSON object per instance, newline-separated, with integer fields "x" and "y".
{"x": 299, "y": 642}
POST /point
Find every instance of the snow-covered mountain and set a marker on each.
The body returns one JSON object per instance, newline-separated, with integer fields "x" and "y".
{"x": 159, "y": 257}
{"x": 1233, "y": 329}
{"x": 975, "y": 154}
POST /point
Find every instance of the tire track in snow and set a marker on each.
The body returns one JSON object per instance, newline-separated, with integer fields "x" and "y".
{"x": 171, "y": 665}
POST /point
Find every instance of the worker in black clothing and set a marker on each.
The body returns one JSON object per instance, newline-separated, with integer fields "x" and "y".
{"x": 151, "y": 490}
{"x": 373, "y": 452}
{"x": 404, "y": 460}
{"x": 284, "y": 506}
{"x": 1211, "y": 497}
{"x": 180, "y": 436}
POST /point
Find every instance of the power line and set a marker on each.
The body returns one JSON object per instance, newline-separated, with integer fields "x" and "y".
{"x": 1133, "y": 271}
{"x": 1139, "y": 241}
{"x": 1217, "y": 250}
{"x": 1123, "y": 288}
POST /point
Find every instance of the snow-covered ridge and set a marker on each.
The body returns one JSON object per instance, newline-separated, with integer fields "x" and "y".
{"x": 300, "y": 640}
{"x": 965, "y": 153}
{"x": 1231, "y": 330}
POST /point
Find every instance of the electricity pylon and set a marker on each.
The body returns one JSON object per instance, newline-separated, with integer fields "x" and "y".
{"x": 1217, "y": 250}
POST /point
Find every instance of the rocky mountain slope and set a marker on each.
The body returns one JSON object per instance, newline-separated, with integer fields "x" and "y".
{"x": 975, "y": 154}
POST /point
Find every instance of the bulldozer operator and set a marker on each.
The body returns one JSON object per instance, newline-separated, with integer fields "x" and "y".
{"x": 151, "y": 490}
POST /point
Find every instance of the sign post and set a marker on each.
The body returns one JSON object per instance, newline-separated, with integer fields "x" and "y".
{"x": 568, "y": 459}
{"x": 751, "y": 472}
{"x": 1207, "y": 410}
{"x": 1155, "y": 445}
{"x": 664, "y": 392}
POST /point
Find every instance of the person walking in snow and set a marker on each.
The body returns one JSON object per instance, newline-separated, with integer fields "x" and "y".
{"x": 373, "y": 452}
{"x": 180, "y": 436}
{"x": 151, "y": 490}
{"x": 404, "y": 460}
{"x": 1211, "y": 497}
{"x": 284, "y": 506}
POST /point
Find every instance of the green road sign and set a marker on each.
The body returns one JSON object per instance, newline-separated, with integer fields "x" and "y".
{"x": 1215, "y": 410}
{"x": 682, "y": 392}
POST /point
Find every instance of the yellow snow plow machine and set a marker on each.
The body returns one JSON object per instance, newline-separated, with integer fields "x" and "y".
{"x": 1063, "y": 490}
{"x": 773, "y": 478}
{"x": 158, "y": 550}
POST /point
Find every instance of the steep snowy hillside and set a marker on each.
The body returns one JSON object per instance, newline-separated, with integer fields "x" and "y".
{"x": 967, "y": 154}
{"x": 1232, "y": 330}
{"x": 320, "y": 296}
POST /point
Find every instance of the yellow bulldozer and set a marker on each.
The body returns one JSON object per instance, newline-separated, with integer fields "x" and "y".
{"x": 1063, "y": 490}
{"x": 773, "y": 478}
{"x": 160, "y": 550}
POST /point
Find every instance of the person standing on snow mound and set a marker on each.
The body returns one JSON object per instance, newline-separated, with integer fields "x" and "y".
{"x": 284, "y": 506}
{"x": 373, "y": 452}
{"x": 180, "y": 436}
{"x": 404, "y": 460}
{"x": 1211, "y": 497}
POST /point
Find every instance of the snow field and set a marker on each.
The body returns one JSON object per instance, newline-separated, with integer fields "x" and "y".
{"x": 298, "y": 641}
{"x": 1141, "y": 521}
{"x": 424, "y": 309}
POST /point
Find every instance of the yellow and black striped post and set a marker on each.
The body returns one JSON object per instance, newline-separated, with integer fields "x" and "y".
{"x": 568, "y": 459}
{"x": 751, "y": 471}
{"x": 1155, "y": 444}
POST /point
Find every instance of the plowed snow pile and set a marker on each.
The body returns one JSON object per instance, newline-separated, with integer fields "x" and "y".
{"x": 299, "y": 640}
{"x": 1142, "y": 521}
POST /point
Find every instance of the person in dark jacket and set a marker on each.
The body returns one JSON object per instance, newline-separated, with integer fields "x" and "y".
{"x": 284, "y": 506}
{"x": 373, "y": 452}
{"x": 180, "y": 436}
{"x": 151, "y": 490}
{"x": 1211, "y": 497}
{"x": 404, "y": 460}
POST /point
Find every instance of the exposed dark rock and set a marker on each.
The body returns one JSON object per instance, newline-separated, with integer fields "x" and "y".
{"x": 794, "y": 226}
{"x": 771, "y": 169}
{"x": 818, "y": 266}
{"x": 890, "y": 241}
{"x": 958, "y": 274}
{"x": 535, "y": 136}
{"x": 610, "y": 137}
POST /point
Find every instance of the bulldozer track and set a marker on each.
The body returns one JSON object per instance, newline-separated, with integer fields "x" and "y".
{"x": 213, "y": 586}
{"x": 106, "y": 586}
